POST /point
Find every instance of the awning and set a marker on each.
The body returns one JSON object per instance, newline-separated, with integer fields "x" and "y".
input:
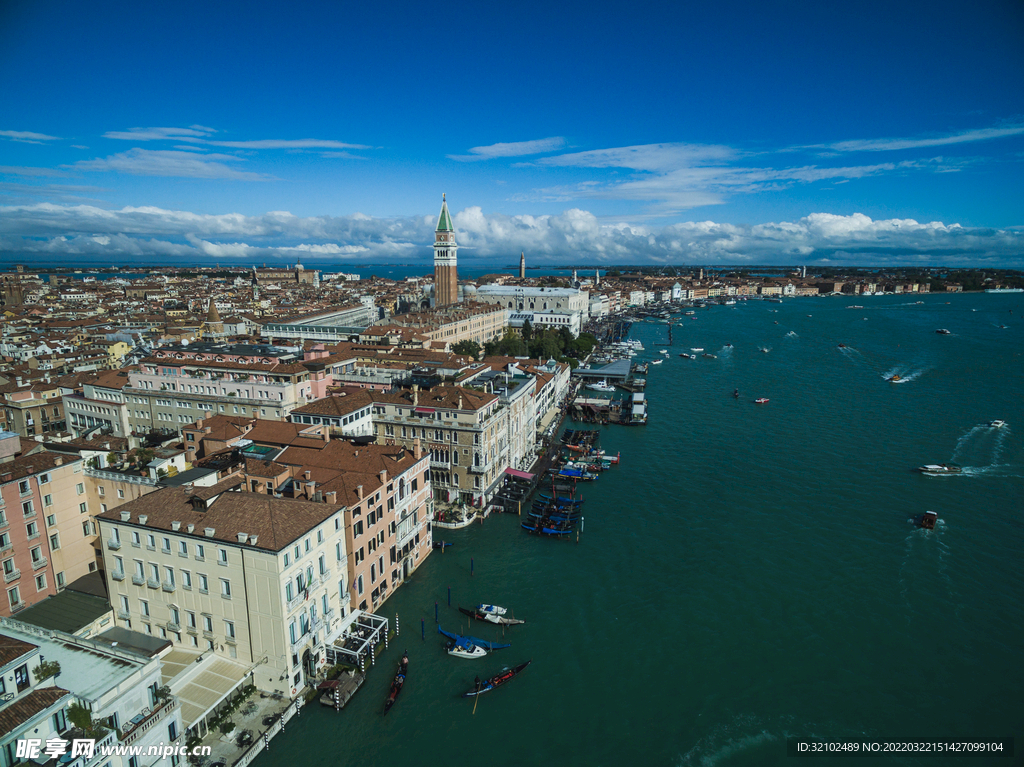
{"x": 424, "y": 409}
{"x": 520, "y": 474}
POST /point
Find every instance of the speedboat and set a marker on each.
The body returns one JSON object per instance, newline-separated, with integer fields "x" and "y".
{"x": 942, "y": 332}
{"x": 761, "y": 401}
{"x": 656, "y": 362}
{"x": 461, "y": 647}
{"x": 939, "y": 469}
{"x": 764, "y": 349}
{"x": 997, "y": 424}
{"x": 712, "y": 356}
{"x": 684, "y": 355}
{"x": 842, "y": 346}
{"x": 893, "y": 378}
{"x": 602, "y": 386}
{"x": 696, "y": 348}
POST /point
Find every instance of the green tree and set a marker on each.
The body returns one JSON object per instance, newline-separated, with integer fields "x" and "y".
{"x": 46, "y": 669}
{"x": 468, "y": 348}
{"x": 527, "y": 331}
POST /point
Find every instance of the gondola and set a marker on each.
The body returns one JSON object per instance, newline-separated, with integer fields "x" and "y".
{"x": 441, "y": 544}
{"x": 473, "y": 640}
{"x": 561, "y": 500}
{"x": 398, "y": 683}
{"x": 496, "y": 681}
{"x": 501, "y": 620}
{"x": 539, "y": 528}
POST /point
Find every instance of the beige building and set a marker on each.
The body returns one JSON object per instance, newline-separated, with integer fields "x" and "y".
{"x": 464, "y": 432}
{"x": 246, "y": 576}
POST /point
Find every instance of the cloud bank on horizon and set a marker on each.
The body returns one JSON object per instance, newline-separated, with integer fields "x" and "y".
{"x": 48, "y": 231}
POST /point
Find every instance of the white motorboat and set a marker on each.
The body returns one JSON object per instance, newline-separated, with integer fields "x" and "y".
{"x": 491, "y": 609}
{"x": 601, "y": 386}
{"x": 656, "y": 362}
{"x": 939, "y": 469}
{"x": 463, "y": 648}
{"x": 696, "y": 348}
{"x": 997, "y": 424}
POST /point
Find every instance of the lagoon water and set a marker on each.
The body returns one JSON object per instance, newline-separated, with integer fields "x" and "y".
{"x": 748, "y": 572}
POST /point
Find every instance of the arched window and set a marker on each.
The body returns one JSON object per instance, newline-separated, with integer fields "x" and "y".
{"x": 401, "y": 489}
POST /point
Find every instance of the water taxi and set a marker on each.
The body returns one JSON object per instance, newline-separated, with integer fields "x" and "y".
{"x": 939, "y": 469}
{"x": 997, "y": 424}
{"x": 942, "y": 332}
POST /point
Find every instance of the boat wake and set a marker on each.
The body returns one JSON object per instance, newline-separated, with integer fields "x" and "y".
{"x": 901, "y": 374}
{"x": 920, "y": 540}
{"x": 725, "y": 742}
{"x": 981, "y": 445}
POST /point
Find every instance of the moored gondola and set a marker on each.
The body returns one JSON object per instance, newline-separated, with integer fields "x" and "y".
{"x": 397, "y": 683}
{"x": 496, "y": 681}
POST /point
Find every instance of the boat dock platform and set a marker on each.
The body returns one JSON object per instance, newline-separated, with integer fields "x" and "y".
{"x": 337, "y": 692}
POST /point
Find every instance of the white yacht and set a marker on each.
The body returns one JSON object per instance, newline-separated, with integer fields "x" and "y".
{"x": 602, "y": 386}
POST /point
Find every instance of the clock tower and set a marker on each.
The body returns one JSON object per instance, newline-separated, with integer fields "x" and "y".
{"x": 446, "y": 280}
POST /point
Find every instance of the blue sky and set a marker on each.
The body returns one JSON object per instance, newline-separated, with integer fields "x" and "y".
{"x": 799, "y": 132}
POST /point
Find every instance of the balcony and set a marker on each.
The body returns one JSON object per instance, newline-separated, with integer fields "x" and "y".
{"x": 13, "y": 575}
{"x": 207, "y": 634}
{"x": 138, "y": 580}
{"x": 167, "y": 586}
{"x": 175, "y": 627}
{"x": 153, "y": 583}
{"x": 39, "y": 564}
{"x": 132, "y": 731}
{"x": 123, "y": 615}
{"x": 117, "y": 575}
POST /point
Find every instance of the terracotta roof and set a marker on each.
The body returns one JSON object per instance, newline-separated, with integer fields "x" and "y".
{"x": 337, "y": 406}
{"x": 11, "y": 649}
{"x": 26, "y": 465}
{"x": 277, "y": 521}
{"x": 28, "y": 705}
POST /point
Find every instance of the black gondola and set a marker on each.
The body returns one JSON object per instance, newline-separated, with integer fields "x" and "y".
{"x": 398, "y": 683}
{"x": 497, "y": 680}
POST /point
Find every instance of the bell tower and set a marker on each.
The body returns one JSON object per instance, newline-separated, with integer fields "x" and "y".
{"x": 446, "y": 280}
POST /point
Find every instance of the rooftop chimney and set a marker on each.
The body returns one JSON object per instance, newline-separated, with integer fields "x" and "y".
{"x": 58, "y": 461}
{"x": 308, "y": 474}
{"x": 359, "y": 492}
{"x": 253, "y": 539}
{"x": 143, "y": 518}
{"x": 331, "y": 496}
{"x": 209, "y": 532}
{"x": 175, "y": 525}
{"x": 460, "y": 400}
{"x": 190, "y": 528}
{"x": 415, "y": 395}
{"x": 243, "y": 537}
{"x": 417, "y": 452}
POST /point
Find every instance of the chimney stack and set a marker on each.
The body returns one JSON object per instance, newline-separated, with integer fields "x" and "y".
{"x": 359, "y": 492}
{"x": 331, "y": 496}
{"x": 417, "y": 451}
{"x": 415, "y": 395}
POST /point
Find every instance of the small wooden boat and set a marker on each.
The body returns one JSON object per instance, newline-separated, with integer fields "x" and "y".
{"x": 562, "y": 500}
{"x": 441, "y": 544}
{"x": 397, "y": 683}
{"x": 473, "y": 640}
{"x": 496, "y": 681}
{"x": 927, "y": 520}
{"x": 761, "y": 400}
{"x": 895, "y": 378}
{"x": 501, "y": 620}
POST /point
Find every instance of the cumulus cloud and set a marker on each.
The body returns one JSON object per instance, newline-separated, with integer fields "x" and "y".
{"x": 573, "y": 236}
{"x": 27, "y": 137}
{"x": 168, "y": 162}
{"x": 511, "y": 149}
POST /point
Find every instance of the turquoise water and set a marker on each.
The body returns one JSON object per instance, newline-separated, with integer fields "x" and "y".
{"x": 749, "y": 571}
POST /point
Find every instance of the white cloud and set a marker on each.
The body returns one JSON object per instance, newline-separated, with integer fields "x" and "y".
{"x": 26, "y": 136}
{"x": 574, "y": 236}
{"x": 891, "y": 144}
{"x": 148, "y": 162}
{"x": 511, "y": 149}
{"x": 199, "y": 134}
